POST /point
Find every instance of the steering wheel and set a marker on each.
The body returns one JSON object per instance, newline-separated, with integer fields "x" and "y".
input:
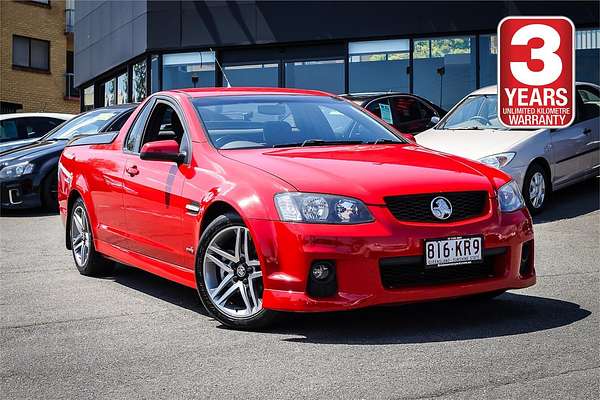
{"x": 481, "y": 119}
{"x": 223, "y": 140}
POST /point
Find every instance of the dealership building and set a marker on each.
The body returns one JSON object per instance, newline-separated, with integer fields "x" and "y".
{"x": 439, "y": 50}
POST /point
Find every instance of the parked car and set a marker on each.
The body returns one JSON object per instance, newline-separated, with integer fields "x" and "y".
{"x": 539, "y": 160}
{"x": 261, "y": 201}
{"x": 406, "y": 112}
{"x": 20, "y": 129}
{"x": 28, "y": 175}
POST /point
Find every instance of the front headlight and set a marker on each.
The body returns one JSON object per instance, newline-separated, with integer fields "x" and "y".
{"x": 321, "y": 208}
{"x": 510, "y": 198}
{"x": 498, "y": 160}
{"x": 16, "y": 170}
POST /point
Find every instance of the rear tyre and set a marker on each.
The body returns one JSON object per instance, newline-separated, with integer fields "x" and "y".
{"x": 229, "y": 276}
{"x": 49, "y": 191}
{"x": 87, "y": 260}
{"x": 536, "y": 188}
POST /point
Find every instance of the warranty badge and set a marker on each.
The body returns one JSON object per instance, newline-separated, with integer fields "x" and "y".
{"x": 536, "y": 72}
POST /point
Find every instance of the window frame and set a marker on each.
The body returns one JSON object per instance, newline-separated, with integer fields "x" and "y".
{"x": 29, "y": 67}
{"x": 152, "y": 104}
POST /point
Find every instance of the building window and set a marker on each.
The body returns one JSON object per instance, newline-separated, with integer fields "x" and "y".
{"x": 69, "y": 16}
{"x": 326, "y": 75}
{"x": 110, "y": 95}
{"x": 70, "y": 90}
{"x": 587, "y": 55}
{"x": 88, "y": 98}
{"x": 138, "y": 84}
{"x": 444, "y": 69}
{"x": 31, "y": 53}
{"x": 122, "y": 89}
{"x": 260, "y": 75}
{"x": 380, "y": 65}
{"x": 488, "y": 60}
{"x": 185, "y": 70}
{"x": 154, "y": 74}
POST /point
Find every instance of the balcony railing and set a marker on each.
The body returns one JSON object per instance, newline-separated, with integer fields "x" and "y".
{"x": 70, "y": 89}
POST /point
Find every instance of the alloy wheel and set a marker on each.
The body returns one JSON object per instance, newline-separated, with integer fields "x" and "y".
{"x": 232, "y": 273}
{"x": 537, "y": 190}
{"x": 80, "y": 236}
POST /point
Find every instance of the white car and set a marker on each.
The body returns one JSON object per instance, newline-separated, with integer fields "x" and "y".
{"x": 539, "y": 160}
{"x": 19, "y": 129}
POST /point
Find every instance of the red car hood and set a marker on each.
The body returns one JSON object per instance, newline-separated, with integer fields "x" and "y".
{"x": 367, "y": 172}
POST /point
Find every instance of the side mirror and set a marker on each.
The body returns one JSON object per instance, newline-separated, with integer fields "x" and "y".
{"x": 409, "y": 136}
{"x": 434, "y": 120}
{"x": 162, "y": 150}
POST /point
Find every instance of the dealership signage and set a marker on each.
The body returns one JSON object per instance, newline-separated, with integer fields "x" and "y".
{"x": 536, "y": 84}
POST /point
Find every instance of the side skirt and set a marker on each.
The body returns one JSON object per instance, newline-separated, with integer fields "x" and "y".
{"x": 165, "y": 270}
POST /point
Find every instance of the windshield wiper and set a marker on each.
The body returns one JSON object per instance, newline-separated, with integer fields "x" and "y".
{"x": 470, "y": 128}
{"x": 386, "y": 141}
{"x": 318, "y": 142}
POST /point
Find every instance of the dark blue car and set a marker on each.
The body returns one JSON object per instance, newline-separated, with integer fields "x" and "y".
{"x": 28, "y": 175}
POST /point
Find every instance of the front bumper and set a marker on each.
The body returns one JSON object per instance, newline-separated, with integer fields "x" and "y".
{"x": 19, "y": 193}
{"x": 288, "y": 249}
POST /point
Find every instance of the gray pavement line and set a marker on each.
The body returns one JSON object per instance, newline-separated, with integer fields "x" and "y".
{"x": 567, "y": 273}
{"x": 498, "y": 384}
{"x": 30, "y": 271}
{"x": 67, "y": 321}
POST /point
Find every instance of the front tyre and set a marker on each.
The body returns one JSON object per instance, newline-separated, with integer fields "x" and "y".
{"x": 229, "y": 276}
{"x": 536, "y": 187}
{"x": 87, "y": 260}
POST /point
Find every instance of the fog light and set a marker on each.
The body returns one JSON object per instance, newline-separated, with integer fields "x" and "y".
{"x": 321, "y": 270}
{"x": 322, "y": 280}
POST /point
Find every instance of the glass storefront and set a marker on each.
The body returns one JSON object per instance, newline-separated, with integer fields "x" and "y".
{"x": 122, "y": 89}
{"x": 88, "y": 98}
{"x": 260, "y": 75}
{"x": 381, "y": 65}
{"x": 154, "y": 74}
{"x": 444, "y": 69}
{"x": 488, "y": 60}
{"x": 186, "y": 70}
{"x": 587, "y": 56}
{"x": 138, "y": 83}
{"x": 327, "y": 75}
{"x": 110, "y": 95}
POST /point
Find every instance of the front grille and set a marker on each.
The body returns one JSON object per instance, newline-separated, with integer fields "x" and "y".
{"x": 400, "y": 272}
{"x": 417, "y": 207}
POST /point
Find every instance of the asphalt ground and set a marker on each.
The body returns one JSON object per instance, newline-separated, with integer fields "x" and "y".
{"x": 133, "y": 335}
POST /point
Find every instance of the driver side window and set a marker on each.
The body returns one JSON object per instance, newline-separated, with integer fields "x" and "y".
{"x": 163, "y": 124}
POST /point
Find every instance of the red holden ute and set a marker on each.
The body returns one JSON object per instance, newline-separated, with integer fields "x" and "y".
{"x": 270, "y": 200}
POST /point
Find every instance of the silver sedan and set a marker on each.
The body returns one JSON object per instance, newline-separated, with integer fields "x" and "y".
{"x": 540, "y": 160}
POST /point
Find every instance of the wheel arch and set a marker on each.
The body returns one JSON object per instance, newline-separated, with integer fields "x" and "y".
{"x": 541, "y": 161}
{"x": 73, "y": 196}
{"x": 215, "y": 209}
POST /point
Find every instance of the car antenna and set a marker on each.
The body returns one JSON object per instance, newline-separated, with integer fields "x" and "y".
{"x": 221, "y": 69}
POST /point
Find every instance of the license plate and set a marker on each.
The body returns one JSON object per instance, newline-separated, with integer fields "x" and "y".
{"x": 453, "y": 251}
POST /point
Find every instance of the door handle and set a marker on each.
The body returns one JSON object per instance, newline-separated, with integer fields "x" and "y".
{"x": 587, "y": 131}
{"x": 132, "y": 171}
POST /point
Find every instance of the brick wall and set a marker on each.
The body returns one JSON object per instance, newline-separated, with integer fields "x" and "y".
{"x": 36, "y": 91}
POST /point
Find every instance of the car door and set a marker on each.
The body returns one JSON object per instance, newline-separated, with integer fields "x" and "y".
{"x": 152, "y": 189}
{"x": 573, "y": 147}
{"x": 590, "y": 125}
{"x": 406, "y": 113}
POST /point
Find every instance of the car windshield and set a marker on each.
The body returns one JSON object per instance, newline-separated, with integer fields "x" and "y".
{"x": 84, "y": 124}
{"x": 238, "y": 122}
{"x": 475, "y": 112}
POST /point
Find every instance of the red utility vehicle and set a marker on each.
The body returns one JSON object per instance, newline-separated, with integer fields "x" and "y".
{"x": 270, "y": 200}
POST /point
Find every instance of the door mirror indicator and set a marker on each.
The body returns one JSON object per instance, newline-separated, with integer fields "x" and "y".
{"x": 162, "y": 150}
